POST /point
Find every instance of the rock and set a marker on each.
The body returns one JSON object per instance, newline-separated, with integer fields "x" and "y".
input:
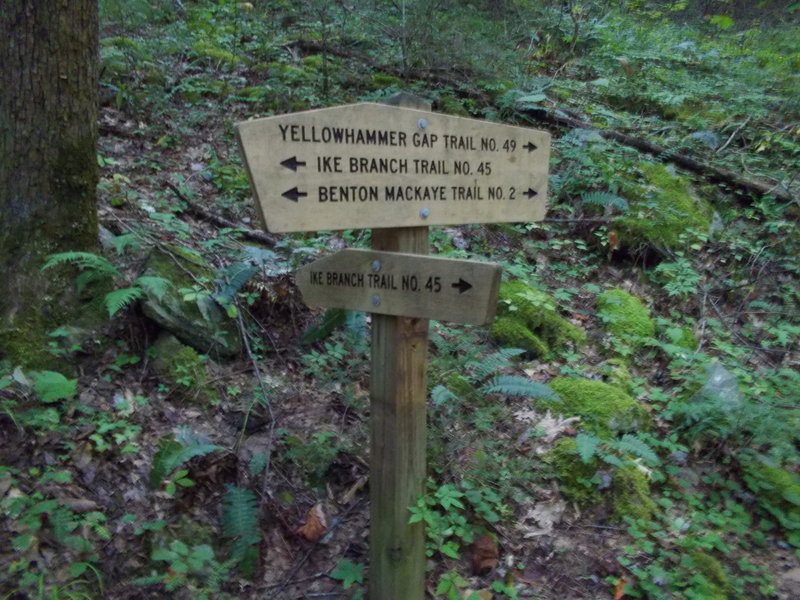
{"x": 197, "y": 321}
{"x": 626, "y": 316}
{"x": 665, "y": 213}
{"x": 528, "y": 319}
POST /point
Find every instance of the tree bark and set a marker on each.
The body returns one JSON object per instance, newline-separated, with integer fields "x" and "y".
{"x": 48, "y": 162}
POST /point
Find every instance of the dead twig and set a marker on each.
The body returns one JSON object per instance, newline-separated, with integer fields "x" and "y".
{"x": 206, "y": 215}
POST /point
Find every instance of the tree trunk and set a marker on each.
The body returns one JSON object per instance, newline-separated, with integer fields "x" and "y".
{"x": 48, "y": 162}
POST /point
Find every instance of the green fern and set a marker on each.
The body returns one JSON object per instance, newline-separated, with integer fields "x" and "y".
{"x": 493, "y": 363}
{"x": 85, "y": 261}
{"x": 233, "y": 278}
{"x": 173, "y": 453}
{"x": 157, "y": 286}
{"x": 119, "y": 299}
{"x": 605, "y": 199}
{"x": 633, "y": 445}
{"x": 513, "y": 385}
{"x": 442, "y": 395}
{"x": 240, "y": 524}
{"x": 587, "y": 445}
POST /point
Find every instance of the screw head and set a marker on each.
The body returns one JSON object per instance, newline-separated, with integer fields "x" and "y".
{"x": 376, "y": 300}
{"x": 425, "y": 213}
{"x": 376, "y": 266}
{"x": 422, "y": 123}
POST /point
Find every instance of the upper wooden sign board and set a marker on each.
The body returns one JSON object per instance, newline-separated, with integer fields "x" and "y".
{"x": 409, "y": 285}
{"x": 373, "y": 165}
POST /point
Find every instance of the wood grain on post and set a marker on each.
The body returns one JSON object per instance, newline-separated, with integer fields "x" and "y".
{"x": 397, "y": 423}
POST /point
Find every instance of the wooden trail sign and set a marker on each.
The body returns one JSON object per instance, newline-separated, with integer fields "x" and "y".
{"x": 372, "y": 165}
{"x": 396, "y": 169}
{"x": 410, "y": 285}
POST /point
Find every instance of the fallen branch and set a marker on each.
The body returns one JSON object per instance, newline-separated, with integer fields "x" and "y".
{"x": 206, "y": 215}
{"x": 710, "y": 172}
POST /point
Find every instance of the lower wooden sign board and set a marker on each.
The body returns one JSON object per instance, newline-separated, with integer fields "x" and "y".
{"x": 408, "y": 285}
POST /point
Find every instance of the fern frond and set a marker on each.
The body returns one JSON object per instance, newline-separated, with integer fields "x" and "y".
{"x": 331, "y": 319}
{"x": 119, "y": 299}
{"x": 84, "y": 261}
{"x": 233, "y": 278}
{"x": 157, "y": 286}
{"x": 633, "y": 445}
{"x": 442, "y": 395}
{"x": 587, "y": 446}
{"x": 605, "y": 199}
{"x": 171, "y": 454}
{"x": 494, "y": 362}
{"x": 240, "y": 522}
{"x": 513, "y": 385}
{"x": 120, "y": 242}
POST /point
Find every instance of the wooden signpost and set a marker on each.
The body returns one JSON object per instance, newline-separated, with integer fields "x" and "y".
{"x": 408, "y": 285}
{"x": 396, "y": 169}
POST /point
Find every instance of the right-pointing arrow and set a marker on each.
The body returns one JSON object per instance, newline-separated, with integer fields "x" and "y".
{"x": 293, "y": 194}
{"x": 462, "y": 285}
{"x": 530, "y": 193}
{"x": 530, "y": 146}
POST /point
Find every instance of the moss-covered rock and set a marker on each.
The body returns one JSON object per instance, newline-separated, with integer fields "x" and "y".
{"x": 665, "y": 213}
{"x": 603, "y": 408}
{"x": 574, "y": 475}
{"x": 181, "y": 367}
{"x": 528, "y": 319}
{"x": 627, "y": 496}
{"x": 625, "y": 316}
{"x": 710, "y": 582}
{"x": 630, "y": 494}
{"x": 198, "y": 321}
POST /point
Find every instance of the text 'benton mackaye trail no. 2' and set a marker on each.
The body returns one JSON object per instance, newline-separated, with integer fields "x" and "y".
{"x": 370, "y": 165}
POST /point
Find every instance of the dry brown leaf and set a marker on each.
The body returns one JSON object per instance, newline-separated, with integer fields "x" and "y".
{"x": 619, "y": 593}
{"x": 316, "y": 524}
{"x": 485, "y": 554}
{"x": 613, "y": 240}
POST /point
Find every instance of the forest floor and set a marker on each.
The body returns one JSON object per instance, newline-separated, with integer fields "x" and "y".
{"x": 631, "y": 433}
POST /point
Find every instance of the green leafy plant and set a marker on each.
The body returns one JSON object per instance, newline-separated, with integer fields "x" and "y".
{"x": 174, "y": 451}
{"x": 349, "y": 573}
{"x": 240, "y": 525}
{"x": 194, "y": 569}
{"x": 679, "y": 278}
{"x": 95, "y": 269}
{"x": 448, "y": 511}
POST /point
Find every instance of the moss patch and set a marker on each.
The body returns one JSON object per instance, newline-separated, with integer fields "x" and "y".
{"x": 181, "y": 367}
{"x": 710, "y": 582}
{"x": 603, "y": 408}
{"x": 630, "y": 494}
{"x": 528, "y": 319}
{"x": 627, "y": 496}
{"x": 625, "y": 316}
{"x": 665, "y": 214}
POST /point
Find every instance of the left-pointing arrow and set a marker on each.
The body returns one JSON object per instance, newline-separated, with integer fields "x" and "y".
{"x": 293, "y": 163}
{"x": 462, "y": 285}
{"x": 293, "y": 194}
{"x": 530, "y": 193}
